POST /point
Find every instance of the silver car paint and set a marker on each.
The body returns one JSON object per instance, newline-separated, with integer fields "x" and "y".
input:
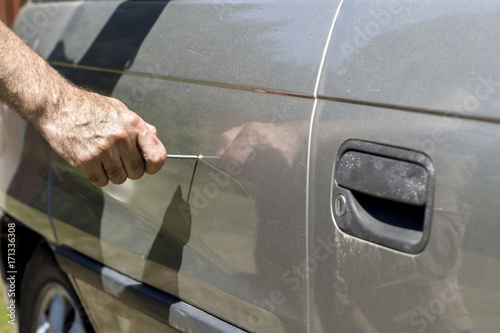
{"x": 421, "y": 76}
{"x": 417, "y": 75}
{"x": 236, "y": 254}
{"x": 426, "y": 56}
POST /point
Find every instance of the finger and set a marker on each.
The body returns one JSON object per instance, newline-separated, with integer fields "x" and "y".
{"x": 96, "y": 174}
{"x": 133, "y": 164}
{"x": 153, "y": 151}
{"x": 132, "y": 161}
{"x": 152, "y": 128}
{"x": 114, "y": 170}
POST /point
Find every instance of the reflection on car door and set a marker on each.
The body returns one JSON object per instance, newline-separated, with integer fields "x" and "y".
{"x": 229, "y": 237}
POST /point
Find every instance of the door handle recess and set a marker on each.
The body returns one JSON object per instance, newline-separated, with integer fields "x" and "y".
{"x": 386, "y": 194}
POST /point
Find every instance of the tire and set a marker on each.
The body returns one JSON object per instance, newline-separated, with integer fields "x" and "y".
{"x": 48, "y": 302}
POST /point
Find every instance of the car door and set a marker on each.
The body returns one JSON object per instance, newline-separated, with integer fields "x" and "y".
{"x": 92, "y": 44}
{"x": 221, "y": 229}
{"x": 250, "y": 70}
{"x": 404, "y": 170}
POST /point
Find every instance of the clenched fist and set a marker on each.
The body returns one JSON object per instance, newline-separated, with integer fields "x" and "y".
{"x": 102, "y": 137}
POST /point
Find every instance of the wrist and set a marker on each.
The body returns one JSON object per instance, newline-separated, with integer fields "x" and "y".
{"x": 48, "y": 112}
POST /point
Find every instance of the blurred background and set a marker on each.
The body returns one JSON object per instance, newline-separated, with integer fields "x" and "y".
{"x": 9, "y": 10}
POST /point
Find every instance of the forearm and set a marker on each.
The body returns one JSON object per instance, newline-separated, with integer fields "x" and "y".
{"x": 97, "y": 134}
{"x": 27, "y": 83}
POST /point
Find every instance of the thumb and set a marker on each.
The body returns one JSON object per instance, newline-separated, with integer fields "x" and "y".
{"x": 153, "y": 151}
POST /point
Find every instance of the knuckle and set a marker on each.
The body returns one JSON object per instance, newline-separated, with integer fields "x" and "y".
{"x": 117, "y": 104}
{"x": 104, "y": 148}
{"x": 121, "y": 136}
{"x": 153, "y": 129}
{"x": 82, "y": 159}
{"x": 134, "y": 120}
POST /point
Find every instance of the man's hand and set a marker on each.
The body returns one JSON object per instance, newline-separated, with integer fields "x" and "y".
{"x": 97, "y": 134}
{"x": 102, "y": 137}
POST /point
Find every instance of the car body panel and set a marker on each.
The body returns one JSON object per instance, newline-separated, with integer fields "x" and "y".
{"x": 437, "y": 289}
{"x": 432, "y": 57}
{"x": 272, "y": 46}
{"x": 251, "y": 240}
{"x": 252, "y": 44}
{"x": 231, "y": 247}
{"x": 24, "y": 186}
{"x": 416, "y": 76}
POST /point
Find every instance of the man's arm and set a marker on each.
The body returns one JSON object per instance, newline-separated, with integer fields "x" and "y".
{"x": 97, "y": 134}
